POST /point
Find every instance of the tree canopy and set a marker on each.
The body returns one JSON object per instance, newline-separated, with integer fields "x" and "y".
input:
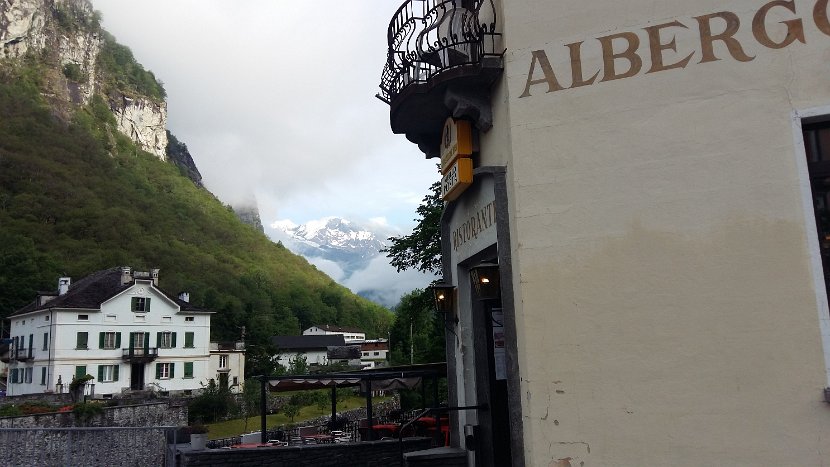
{"x": 421, "y": 249}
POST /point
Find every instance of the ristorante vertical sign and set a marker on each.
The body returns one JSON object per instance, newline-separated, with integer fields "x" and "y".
{"x": 456, "y": 165}
{"x": 623, "y": 56}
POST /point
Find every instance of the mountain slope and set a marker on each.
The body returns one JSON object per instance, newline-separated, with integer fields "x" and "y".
{"x": 77, "y": 195}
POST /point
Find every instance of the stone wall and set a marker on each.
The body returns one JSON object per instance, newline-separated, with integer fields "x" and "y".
{"x": 152, "y": 414}
{"x": 372, "y": 453}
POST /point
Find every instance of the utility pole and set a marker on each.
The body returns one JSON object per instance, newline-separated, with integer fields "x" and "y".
{"x": 411, "y": 344}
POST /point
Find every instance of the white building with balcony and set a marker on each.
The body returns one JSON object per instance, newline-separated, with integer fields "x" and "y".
{"x": 115, "y": 325}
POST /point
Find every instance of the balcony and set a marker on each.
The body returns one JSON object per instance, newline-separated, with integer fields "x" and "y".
{"x": 23, "y": 356}
{"x": 443, "y": 57}
{"x": 140, "y": 355}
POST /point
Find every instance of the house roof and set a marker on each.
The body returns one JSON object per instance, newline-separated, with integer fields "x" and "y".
{"x": 335, "y": 328}
{"x": 93, "y": 290}
{"x": 308, "y": 342}
{"x": 346, "y": 352}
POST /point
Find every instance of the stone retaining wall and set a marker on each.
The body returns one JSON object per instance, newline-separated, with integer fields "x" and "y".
{"x": 152, "y": 414}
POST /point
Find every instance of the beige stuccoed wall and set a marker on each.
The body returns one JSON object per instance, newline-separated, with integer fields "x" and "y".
{"x": 666, "y": 307}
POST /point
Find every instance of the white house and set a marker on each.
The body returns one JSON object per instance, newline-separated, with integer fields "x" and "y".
{"x": 115, "y": 325}
{"x": 315, "y": 348}
{"x": 350, "y": 335}
{"x": 227, "y": 364}
{"x": 374, "y": 353}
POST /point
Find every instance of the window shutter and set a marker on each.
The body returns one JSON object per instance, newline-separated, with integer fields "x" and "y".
{"x": 158, "y": 339}
{"x": 117, "y": 341}
{"x": 158, "y": 370}
{"x": 80, "y": 371}
{"x": 100, "y": 373}
{"x": 173, "y": 340}
{"x": 101, "y": 340}
{"x": 188, "y": 369}
{"x": 134, "y": 304}
{"x": 188, "y": 339}
{"x": 31, "y": 342}
{"x": 172, "y": 372}
{"x": 146, "y": 343}
{"x": 115, "y": 372}
{"x": 147, "y": 304}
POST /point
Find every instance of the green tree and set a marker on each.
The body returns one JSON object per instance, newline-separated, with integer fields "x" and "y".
{"x": 421, "y": 249}
{"x": 291, "y": 410}
{"x": 298, "y": 365}
{"x": 250, "y": 403}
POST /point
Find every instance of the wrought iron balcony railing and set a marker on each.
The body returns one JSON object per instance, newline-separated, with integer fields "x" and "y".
{"x": 139, "y": 354}
{"x": 429, "y": 37}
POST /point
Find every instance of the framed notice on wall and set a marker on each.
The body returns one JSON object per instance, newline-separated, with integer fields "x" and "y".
{"x": 499, "y": 358}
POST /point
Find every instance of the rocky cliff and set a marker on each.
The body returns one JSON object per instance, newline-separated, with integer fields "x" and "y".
{"x": 66, "y": 35}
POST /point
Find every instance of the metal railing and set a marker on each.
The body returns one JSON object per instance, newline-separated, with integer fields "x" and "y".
{"x": 428, "y": 37}
{"x": 82, "y": 446}
{"x": 140, "y": 353}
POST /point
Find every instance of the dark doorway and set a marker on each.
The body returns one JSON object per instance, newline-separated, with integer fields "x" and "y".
{"x": 137, "y": 376}
{"x": 493, "y": 449}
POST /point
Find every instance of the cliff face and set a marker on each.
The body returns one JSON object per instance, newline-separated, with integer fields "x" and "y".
{"x": 66, "y": 35}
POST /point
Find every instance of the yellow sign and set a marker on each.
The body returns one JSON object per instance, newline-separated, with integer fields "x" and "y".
{"x": 457, "y": 179}
{"x": 456, "y": 141}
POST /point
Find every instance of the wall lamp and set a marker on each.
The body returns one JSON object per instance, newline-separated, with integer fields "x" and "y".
{"x": 485, "y": 278}
{"x": 443, "y": 295}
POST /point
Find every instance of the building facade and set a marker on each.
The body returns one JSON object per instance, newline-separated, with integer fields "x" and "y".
{"x": 115, "y": 325}
{"x": 350, "y": 335}
{"x": 227, "y": 364}
{"x": 648, "y": 180}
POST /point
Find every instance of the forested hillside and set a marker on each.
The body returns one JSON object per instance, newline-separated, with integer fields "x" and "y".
{"x": 77, "y": 196}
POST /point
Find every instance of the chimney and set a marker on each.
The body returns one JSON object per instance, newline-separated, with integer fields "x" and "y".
{"x": 184, "y": 296}
{"x": 63, "y": 285}
{"x": 154, "y": 273}
{"x": 126, "y": 275}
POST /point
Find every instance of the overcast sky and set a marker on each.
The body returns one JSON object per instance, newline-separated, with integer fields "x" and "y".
{"x": 276, "y": 99}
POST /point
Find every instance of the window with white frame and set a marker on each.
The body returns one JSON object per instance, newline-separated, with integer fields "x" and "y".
{"x": 223, "y": 361}
{"x": 28, "y": 376}
{"x": 165, "y": 370}
{"x": 45, "y": 341}
{"x": 166, "y": 340}
{"x": 109, "y": 340}
{"x": 107, "y": 373}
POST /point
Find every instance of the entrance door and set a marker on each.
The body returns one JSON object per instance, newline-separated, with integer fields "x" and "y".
{"x": 137, "y": 376}
{"x": 493, "y": 447}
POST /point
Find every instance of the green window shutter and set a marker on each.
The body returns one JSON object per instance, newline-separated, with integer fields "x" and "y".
{"x": 158, "y": 339}
{"x": 43, "y": 376}
{"x": 101, "y": 340}
{"x": 147, "y": 304}
{"x": 80, "y": 371}
{"x": 117, "y": 341}
{"x": 158, "y": 370}
{"x": 188, "y": 369}
{"x": 134, "y": 304}
{"x": 146, "y": 343}
{"x": 82, "y": 340}
{"x": 173, "y": 340}
{"x": 100, "y": 373}
{"x": 172, "y": 370}
{"x": 188, "y": 339}
{"x": 115, "y": 373}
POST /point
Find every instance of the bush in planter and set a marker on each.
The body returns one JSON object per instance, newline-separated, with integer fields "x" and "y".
{"x": 84, "y": 411}
{"x": 197, "y": 429}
